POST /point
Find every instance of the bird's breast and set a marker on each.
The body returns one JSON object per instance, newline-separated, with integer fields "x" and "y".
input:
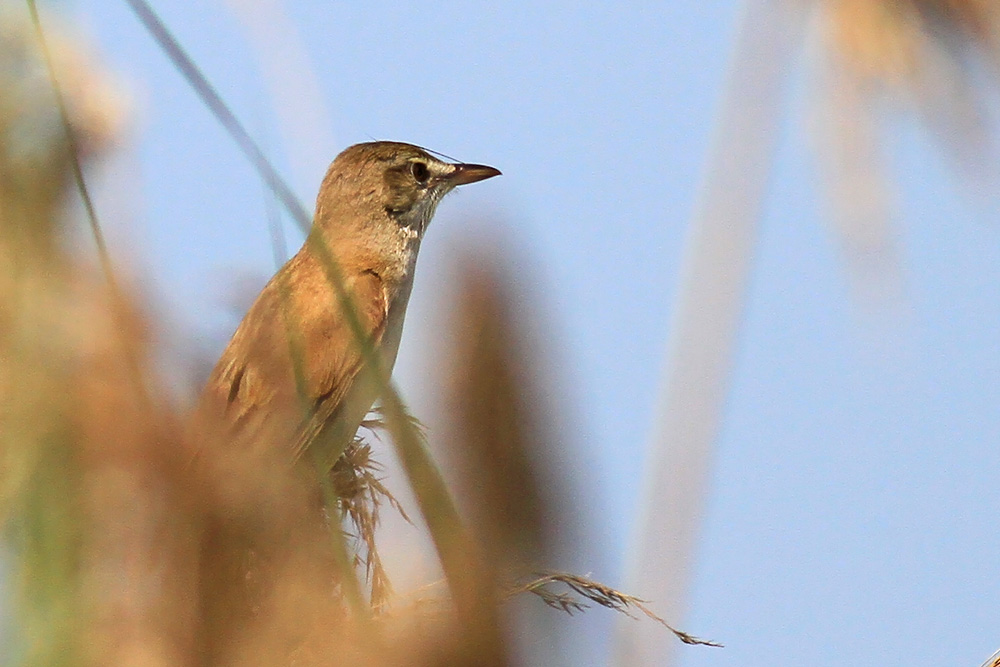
{"x": 393, "y": 334}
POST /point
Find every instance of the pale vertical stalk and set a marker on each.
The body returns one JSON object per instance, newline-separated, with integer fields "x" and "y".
{"x": 704, "y": 328}
{"x": 303, "y": 117}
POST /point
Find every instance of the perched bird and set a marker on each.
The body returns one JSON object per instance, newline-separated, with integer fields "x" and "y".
{"x": 292, "y": 377}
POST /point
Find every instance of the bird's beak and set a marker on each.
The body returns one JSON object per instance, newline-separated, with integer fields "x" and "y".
{"x": 471, "y": 173}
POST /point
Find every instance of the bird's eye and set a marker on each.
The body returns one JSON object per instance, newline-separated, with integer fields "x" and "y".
{"x": 420, "y": 172}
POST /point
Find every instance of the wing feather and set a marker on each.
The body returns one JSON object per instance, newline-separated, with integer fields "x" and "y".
{"x": 252, "y": 391}
{"x": 341, "y": 393}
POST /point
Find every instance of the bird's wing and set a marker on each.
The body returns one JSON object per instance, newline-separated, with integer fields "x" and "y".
{"x": 339, "y": 393}
{"x": 253, "y": 390}
{"x": 242, "y": 399}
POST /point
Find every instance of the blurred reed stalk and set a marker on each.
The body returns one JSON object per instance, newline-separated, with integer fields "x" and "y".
{"x": 938, "y": 59}
{"x": 496, "y": 431}
{"x": 88, "y": 463}
{"x": 302, "y": 116}
{"x": 704, "y": 326}
{"x": 498, "y": 440}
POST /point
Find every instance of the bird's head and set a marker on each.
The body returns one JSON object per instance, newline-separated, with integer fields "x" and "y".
{"x": 383, "y": 187}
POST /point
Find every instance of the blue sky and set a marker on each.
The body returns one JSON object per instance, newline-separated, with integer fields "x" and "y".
{"x": 853, "y": 509}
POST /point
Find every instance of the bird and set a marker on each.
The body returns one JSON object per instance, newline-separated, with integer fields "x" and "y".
{"x": 292, "y": 379}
